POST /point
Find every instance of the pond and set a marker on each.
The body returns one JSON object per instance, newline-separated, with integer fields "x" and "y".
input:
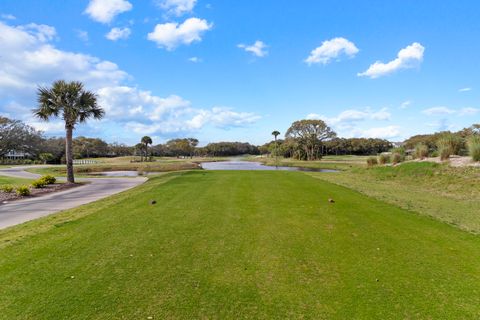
{"x": 220, "y": 165}
{"x": 245, "y": 165}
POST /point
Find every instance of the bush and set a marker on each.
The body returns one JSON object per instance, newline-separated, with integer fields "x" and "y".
{"x": 383, "y": 158}
{"x": 397, "y": 158}
{"x": 372, "y": 161}
{"x": 474, "y": 147}
{"x": 37, "y": 184}
{"x": 48, "y": 179}
{"x": 7, "y": 188}
{"x": 23, "y": 191}
{"x": 449, "y": 144}
{"x": 421, "y": 151}
{"x": 399, "y": 150}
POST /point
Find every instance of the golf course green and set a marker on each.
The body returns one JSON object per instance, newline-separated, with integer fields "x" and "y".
{"x": 239, "y": 245}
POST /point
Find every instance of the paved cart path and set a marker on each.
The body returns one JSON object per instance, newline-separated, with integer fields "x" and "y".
{"x": 20, "y": 211}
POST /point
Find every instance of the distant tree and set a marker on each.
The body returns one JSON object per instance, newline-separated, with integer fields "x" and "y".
{"x": 309, "y": 135}
{"x": 46, "y": 157}
{"x": 15, "y": 135}
{"x": 74, "y": 104}
{"x": 146, "y": 140}
{"x": 276, "y": 134}
{"x": 182, "y": 147}
{"x": 90, "y": 147}
{"x": 140, "y": 150}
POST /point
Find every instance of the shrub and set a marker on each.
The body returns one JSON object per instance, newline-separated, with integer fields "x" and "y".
{"x": 474, "y": 147}
{"x": 399, "y": 150}
{"x": 421, "y": 151}
{"x": 48, "y": 179}
{"x": 7, "y": 188}
{"x": 397, "y": 158}
{"x": 449, "y": 144}
{"x": 37, "y": 184}
{"x": 372, "y": 161}
{"x": 383, "y": 158}
{"x": 23, "y": 191}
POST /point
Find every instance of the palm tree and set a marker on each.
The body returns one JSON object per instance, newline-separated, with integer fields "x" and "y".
{"x": 146, "y": 140}
{"x": 74, "y": 104}
{"x": 275, "y": 134}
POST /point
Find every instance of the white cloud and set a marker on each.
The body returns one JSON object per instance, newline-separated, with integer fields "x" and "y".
{"x": 30, "y": 59}
{"x": 405, "y": 104}
{"x": 118, "y": 33}
{"x": 105, "y": 10}
{"x": 409, "y": 57}
{"x": 353, "y": 115}
{"x": 381, "y": 115}
{"x": 388, "y": 132}
{"x": 347, "y": 124}
{"x": 195, "y": 59}
{"x": 143, "y": 112}
{"x": 177, "y": 7}
{"x": 7, "y": 16}
{"x": 170, "y": 35}
{"x": 465, "y": 89}
{"x": 82, "y": 35}
{"x": 257, "y": 49}
{"x": 468, "y": 111}
{"x": 332, "y": 49}
{"x": 438, "y": 111}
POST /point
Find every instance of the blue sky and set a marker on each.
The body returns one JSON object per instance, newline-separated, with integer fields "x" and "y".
{"x": 237, "y": 70}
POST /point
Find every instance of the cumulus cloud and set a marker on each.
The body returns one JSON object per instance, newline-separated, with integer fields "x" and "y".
{"x": 347, "y": 123}
{"x": 118, "y": 33}
{"x": 142, "y": 111}
{"x": 30, "y": 59}
{"x": 170, "y": 35}
{"x": 438, "y": 111}
{"x": 332, "y": 49}
{"x": 387, "y": 132}
{"x": 105, "y": 10}
{"x": 257, "y": 49}
{"x": 177, "y": 7}
{"x": 353, "y": 115}
{"x": 7, "y": 16}
{"x": 408, "y": 57}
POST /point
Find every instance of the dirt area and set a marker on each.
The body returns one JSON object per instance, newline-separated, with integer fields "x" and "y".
{"x": 6, "y": 197}
{"x": 455, "y": 161}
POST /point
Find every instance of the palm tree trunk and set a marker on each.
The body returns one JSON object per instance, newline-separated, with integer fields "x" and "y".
{"x": 69, "y": 154}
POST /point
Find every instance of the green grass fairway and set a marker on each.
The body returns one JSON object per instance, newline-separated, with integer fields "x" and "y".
{"x": 239, "y": 245}
{"x": 4, "y": 180}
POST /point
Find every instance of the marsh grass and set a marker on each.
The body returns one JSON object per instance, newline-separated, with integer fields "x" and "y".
{"x": 474, "y": 147}
{"x": 449, "y": 144}
{"x": 383, "y": 159}
{"x": 421, "y": 151}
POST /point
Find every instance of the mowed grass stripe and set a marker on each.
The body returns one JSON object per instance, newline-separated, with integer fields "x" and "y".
{"x": 242, "y": 245}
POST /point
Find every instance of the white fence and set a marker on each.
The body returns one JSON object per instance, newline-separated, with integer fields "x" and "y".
{"x": 84, "y": 162}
